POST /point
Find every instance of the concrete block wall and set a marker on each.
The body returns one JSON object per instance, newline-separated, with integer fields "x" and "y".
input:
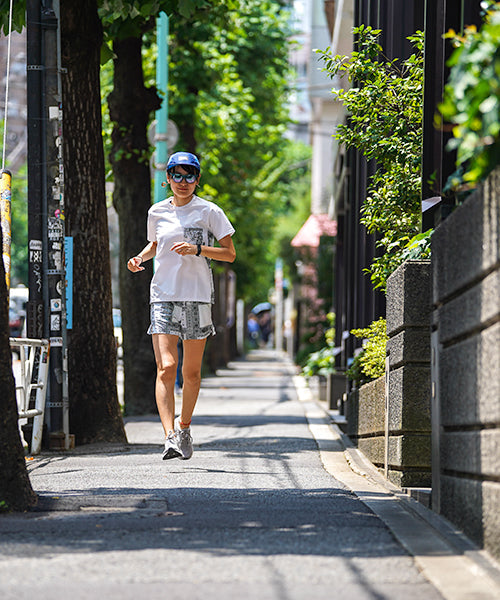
{"x": 351, "y": 413}
{"x": 409, "y": 380}
{"x": 371, "y": 421}
{"x": 466, "y": 319}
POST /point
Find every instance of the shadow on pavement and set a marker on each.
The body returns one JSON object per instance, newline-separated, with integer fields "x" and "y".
{"x": 329, "y": 522}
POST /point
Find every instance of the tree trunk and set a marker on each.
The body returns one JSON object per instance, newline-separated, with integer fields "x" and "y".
{"x": 130, "y": 106}
{"x": 16, "y": 492}
{"x": 94, "y": 410}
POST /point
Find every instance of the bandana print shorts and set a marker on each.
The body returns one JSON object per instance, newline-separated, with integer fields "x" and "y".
{"x": 188, "y": 320}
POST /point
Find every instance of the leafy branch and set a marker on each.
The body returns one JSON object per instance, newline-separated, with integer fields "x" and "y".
{"x": 384, "y": 123}
{"x": 471, "y": 101}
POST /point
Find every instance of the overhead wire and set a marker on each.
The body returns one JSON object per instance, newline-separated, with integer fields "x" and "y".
{"x": 7, "y": 87}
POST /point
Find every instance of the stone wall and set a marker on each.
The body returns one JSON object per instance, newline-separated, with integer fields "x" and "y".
{"x": 371, "y": 421}
{"x": 409, "y": 379}
{"x": 466, "y": 374}
{"x": 392, "y": 425}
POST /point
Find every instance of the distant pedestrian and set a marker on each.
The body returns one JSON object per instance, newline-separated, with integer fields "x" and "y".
{"x": 265, "y": 324}
{"x": 253, "y": 330}
{"x": 181, "y": 232}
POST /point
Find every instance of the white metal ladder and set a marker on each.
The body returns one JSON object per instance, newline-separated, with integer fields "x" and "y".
{"x": 34, "y": 357}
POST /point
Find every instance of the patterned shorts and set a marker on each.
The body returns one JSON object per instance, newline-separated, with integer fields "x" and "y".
{"x": 188, "y": 320}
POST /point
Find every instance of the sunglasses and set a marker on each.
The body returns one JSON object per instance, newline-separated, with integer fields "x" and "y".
{"x": 178, "y": 177}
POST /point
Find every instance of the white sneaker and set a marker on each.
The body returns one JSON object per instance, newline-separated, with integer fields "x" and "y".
{"x": 171, "y": 446}
{"x": 185, "y": 441}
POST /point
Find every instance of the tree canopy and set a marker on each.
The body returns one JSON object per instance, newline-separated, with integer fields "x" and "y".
{"x": 228, "y": 87}
{"x": 228, "y": 95}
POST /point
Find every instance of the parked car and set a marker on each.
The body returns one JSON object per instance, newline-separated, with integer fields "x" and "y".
{"x": 117, "y": 325}
{"x": 18, "y": 298}
{"x": 16, "y": 321}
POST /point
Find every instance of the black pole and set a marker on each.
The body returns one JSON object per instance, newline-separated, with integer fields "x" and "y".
{"x": 54, "y": 230}
{"x": 35, "y": 317}
{"x": 47, "y": 280}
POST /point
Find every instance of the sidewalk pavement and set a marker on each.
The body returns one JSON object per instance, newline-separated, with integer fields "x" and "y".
{"x": 274, "y": 504}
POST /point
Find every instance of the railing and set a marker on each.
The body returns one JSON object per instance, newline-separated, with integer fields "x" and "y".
{"x": 31, "y": 380}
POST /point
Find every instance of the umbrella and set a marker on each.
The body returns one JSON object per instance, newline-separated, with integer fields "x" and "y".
{"x": 261, "y": 307}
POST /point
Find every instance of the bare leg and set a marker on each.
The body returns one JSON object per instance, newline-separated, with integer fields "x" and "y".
{"x": 165, "y": 349}
{"x": 191, "y": 373}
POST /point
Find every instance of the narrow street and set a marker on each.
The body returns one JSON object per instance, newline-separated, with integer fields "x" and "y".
{"x": 256, "y": 513}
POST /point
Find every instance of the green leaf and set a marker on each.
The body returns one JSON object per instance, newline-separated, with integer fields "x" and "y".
{"x": 186, "y": 8}
{"x": 488, "y": 105}
{"x": 106, "y": 53}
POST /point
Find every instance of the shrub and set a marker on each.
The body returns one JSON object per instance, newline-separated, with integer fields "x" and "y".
{"x": 370, "y": 362}
{"x": 322, "y": 361}
{"x": 471, "y": 100}
{"x": 384, "y": 124}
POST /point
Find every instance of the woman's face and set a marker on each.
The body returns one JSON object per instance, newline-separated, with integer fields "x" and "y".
{"x": 182, "y": 189}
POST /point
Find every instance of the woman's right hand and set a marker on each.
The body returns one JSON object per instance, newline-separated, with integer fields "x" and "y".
{"x": 134, "y": 264}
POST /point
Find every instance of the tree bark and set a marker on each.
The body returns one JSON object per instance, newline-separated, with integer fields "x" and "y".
{"x": 94, "y": 409}
{"x": 130, "y": 106}
{"x": 16, "y": 492}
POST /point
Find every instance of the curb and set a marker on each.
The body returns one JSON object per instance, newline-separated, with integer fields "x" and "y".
{"x": 446, "y": 557}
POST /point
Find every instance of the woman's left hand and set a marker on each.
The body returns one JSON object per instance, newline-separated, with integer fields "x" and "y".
{"x": 183, "y": 248}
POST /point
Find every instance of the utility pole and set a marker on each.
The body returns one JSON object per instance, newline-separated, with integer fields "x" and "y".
{"x": 46, "y": 230}
{"x": 35, "y": 325}
{"x": 161, "y": 145}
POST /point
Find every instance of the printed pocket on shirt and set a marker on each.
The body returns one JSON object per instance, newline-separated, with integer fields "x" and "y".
{"x": 193, "y": 235}
{"x": 205, "y": 311}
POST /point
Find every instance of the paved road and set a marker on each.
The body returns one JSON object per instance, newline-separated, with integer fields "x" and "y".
{"x": 254, "y": 514}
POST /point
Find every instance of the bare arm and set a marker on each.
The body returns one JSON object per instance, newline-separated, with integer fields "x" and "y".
{"x": 225, "y": 253}
{"x": 135, "y": 263}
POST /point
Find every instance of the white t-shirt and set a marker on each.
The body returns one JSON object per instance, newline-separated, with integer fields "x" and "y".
{"x": 184, "y": 278}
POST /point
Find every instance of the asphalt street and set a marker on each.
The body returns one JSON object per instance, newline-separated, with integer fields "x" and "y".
{"x": 259, "y": 512}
